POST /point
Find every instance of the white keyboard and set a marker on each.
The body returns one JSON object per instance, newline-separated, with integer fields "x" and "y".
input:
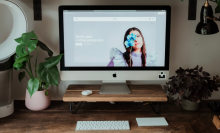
{"x": 102, "y": 125}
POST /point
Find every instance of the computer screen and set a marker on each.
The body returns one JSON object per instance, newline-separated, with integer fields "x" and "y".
{"x": 97, "y": 38}
{"x": 120, "y": 38}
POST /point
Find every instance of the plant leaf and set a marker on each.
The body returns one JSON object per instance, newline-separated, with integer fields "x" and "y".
{"x": 45, "y": 48}
{"x": 49, "y": 76}
{"x": 19, "y": 40}
{"x": 23, "y": 58}
{"x": 200, "y": 69}
{"x": 46, "y": 86}
{"x": 21, "y": 50}
{"x": 217, "y": 2}
{"x": 29, "y": 36}
{"x": 206, "y": 78}
{"x": 21, "y": 75}
{"x": 197, "y": 67}
{"x": 17, "y": 65}
{"x": 52, "y": 61}
{"x": 206, "y": 74}
{"x": 214, "y": 78}
{"x": 15, "y": 57}
{"x": 33, "y": 85}
{"x": 217, "y": 9}
{"x": 215, "y": 87}
{"x": 18, "y": 68}
{"x": 26, "y": 42}
{"x": 19, "y": 61}
{"x": 46, "y": 93}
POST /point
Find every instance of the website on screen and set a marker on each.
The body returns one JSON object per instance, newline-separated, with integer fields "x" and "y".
{"x": 114, "y": 38}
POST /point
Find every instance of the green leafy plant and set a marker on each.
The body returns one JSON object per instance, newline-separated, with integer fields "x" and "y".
{"x": 191, "y": 84}
{"x": 43, "y": 74}
{"x": 217, "y": 9}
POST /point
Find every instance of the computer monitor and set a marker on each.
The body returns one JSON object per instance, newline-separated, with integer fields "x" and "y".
{"x": 114, "y": 44}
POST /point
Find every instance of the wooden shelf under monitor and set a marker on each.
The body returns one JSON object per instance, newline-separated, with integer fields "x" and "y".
{"x": 150, "y": 93}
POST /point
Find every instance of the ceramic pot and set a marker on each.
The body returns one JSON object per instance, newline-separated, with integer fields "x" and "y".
{"x": 38, "y": 101}
{"x": 188, "y": 105}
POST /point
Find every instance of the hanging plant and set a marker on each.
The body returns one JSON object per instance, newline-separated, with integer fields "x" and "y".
{"x": 217, "y": 9}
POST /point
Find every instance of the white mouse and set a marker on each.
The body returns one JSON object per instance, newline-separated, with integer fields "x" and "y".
{"x": 86, "y": 92}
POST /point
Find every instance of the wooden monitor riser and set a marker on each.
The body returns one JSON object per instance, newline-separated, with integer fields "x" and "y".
{"x": 149, "y": 93}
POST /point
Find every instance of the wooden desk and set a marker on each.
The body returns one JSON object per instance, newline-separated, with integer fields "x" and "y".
{"x": 139, "y": 93}
{"x": 57, "y": 119}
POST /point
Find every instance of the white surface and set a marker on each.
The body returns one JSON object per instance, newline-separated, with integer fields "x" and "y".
{"x": 102, "y": 125}
{"x": 7, "y": 110}
{"x": 86, "y": 92}
{"x": 114, "y": 18}
{"x": 152, "y": 121}
{"x": 8, "y": 47}
{"x": 187, "y": 48}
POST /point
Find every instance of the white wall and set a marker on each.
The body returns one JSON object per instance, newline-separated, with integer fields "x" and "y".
{"x": 187, "y": 49}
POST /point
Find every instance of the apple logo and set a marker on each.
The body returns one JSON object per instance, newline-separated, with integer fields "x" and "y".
{"x": 114, "y": 75}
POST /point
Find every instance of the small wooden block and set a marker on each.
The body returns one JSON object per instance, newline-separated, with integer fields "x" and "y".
{"x": 216, "y": 121}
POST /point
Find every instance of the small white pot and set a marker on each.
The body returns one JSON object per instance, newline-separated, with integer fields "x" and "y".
{"x": 38, "y": 101}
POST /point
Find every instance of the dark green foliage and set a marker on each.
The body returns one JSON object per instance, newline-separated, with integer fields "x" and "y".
{"x": 217, "y": 9}
{"x": 45, "y": 48}
{"x": 33, "y": 86}
{"x": 47, "y": 71}
{"x": 46, "y": 93}
{"x": 191, "y": 84}
{"x": 21, "y": 75}
{"x": 48, "y": 75}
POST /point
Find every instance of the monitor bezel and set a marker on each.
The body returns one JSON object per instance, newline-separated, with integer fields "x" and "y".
{"x": 113, "y": 7}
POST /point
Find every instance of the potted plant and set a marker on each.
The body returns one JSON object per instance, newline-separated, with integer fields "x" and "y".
{"x": 217, "y": 9}
{"x": 39, "y": 76}
{"x": 192, "y": 86}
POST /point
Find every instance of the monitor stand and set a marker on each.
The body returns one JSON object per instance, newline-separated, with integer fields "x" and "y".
{"x": 114, "y": 87}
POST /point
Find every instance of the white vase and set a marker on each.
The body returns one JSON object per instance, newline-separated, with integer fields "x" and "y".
{"x": 38, "y": 101}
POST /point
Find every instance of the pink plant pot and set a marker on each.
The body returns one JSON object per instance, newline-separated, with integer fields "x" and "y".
{"x": 38, "y": 101}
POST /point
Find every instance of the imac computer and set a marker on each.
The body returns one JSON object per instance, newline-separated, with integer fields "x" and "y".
{"x": 114, "y": 44}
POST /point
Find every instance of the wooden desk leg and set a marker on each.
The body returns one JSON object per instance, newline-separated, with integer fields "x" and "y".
{"x": 77, "y": 108}
{"x": 157, "y": 112}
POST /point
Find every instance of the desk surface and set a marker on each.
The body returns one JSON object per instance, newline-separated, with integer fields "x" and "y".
{"x": 151, "y": 93}
{"x": 58, "y": 119}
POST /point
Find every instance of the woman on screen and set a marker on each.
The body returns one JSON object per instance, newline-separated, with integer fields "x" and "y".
{"x": 137, "y": 54}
